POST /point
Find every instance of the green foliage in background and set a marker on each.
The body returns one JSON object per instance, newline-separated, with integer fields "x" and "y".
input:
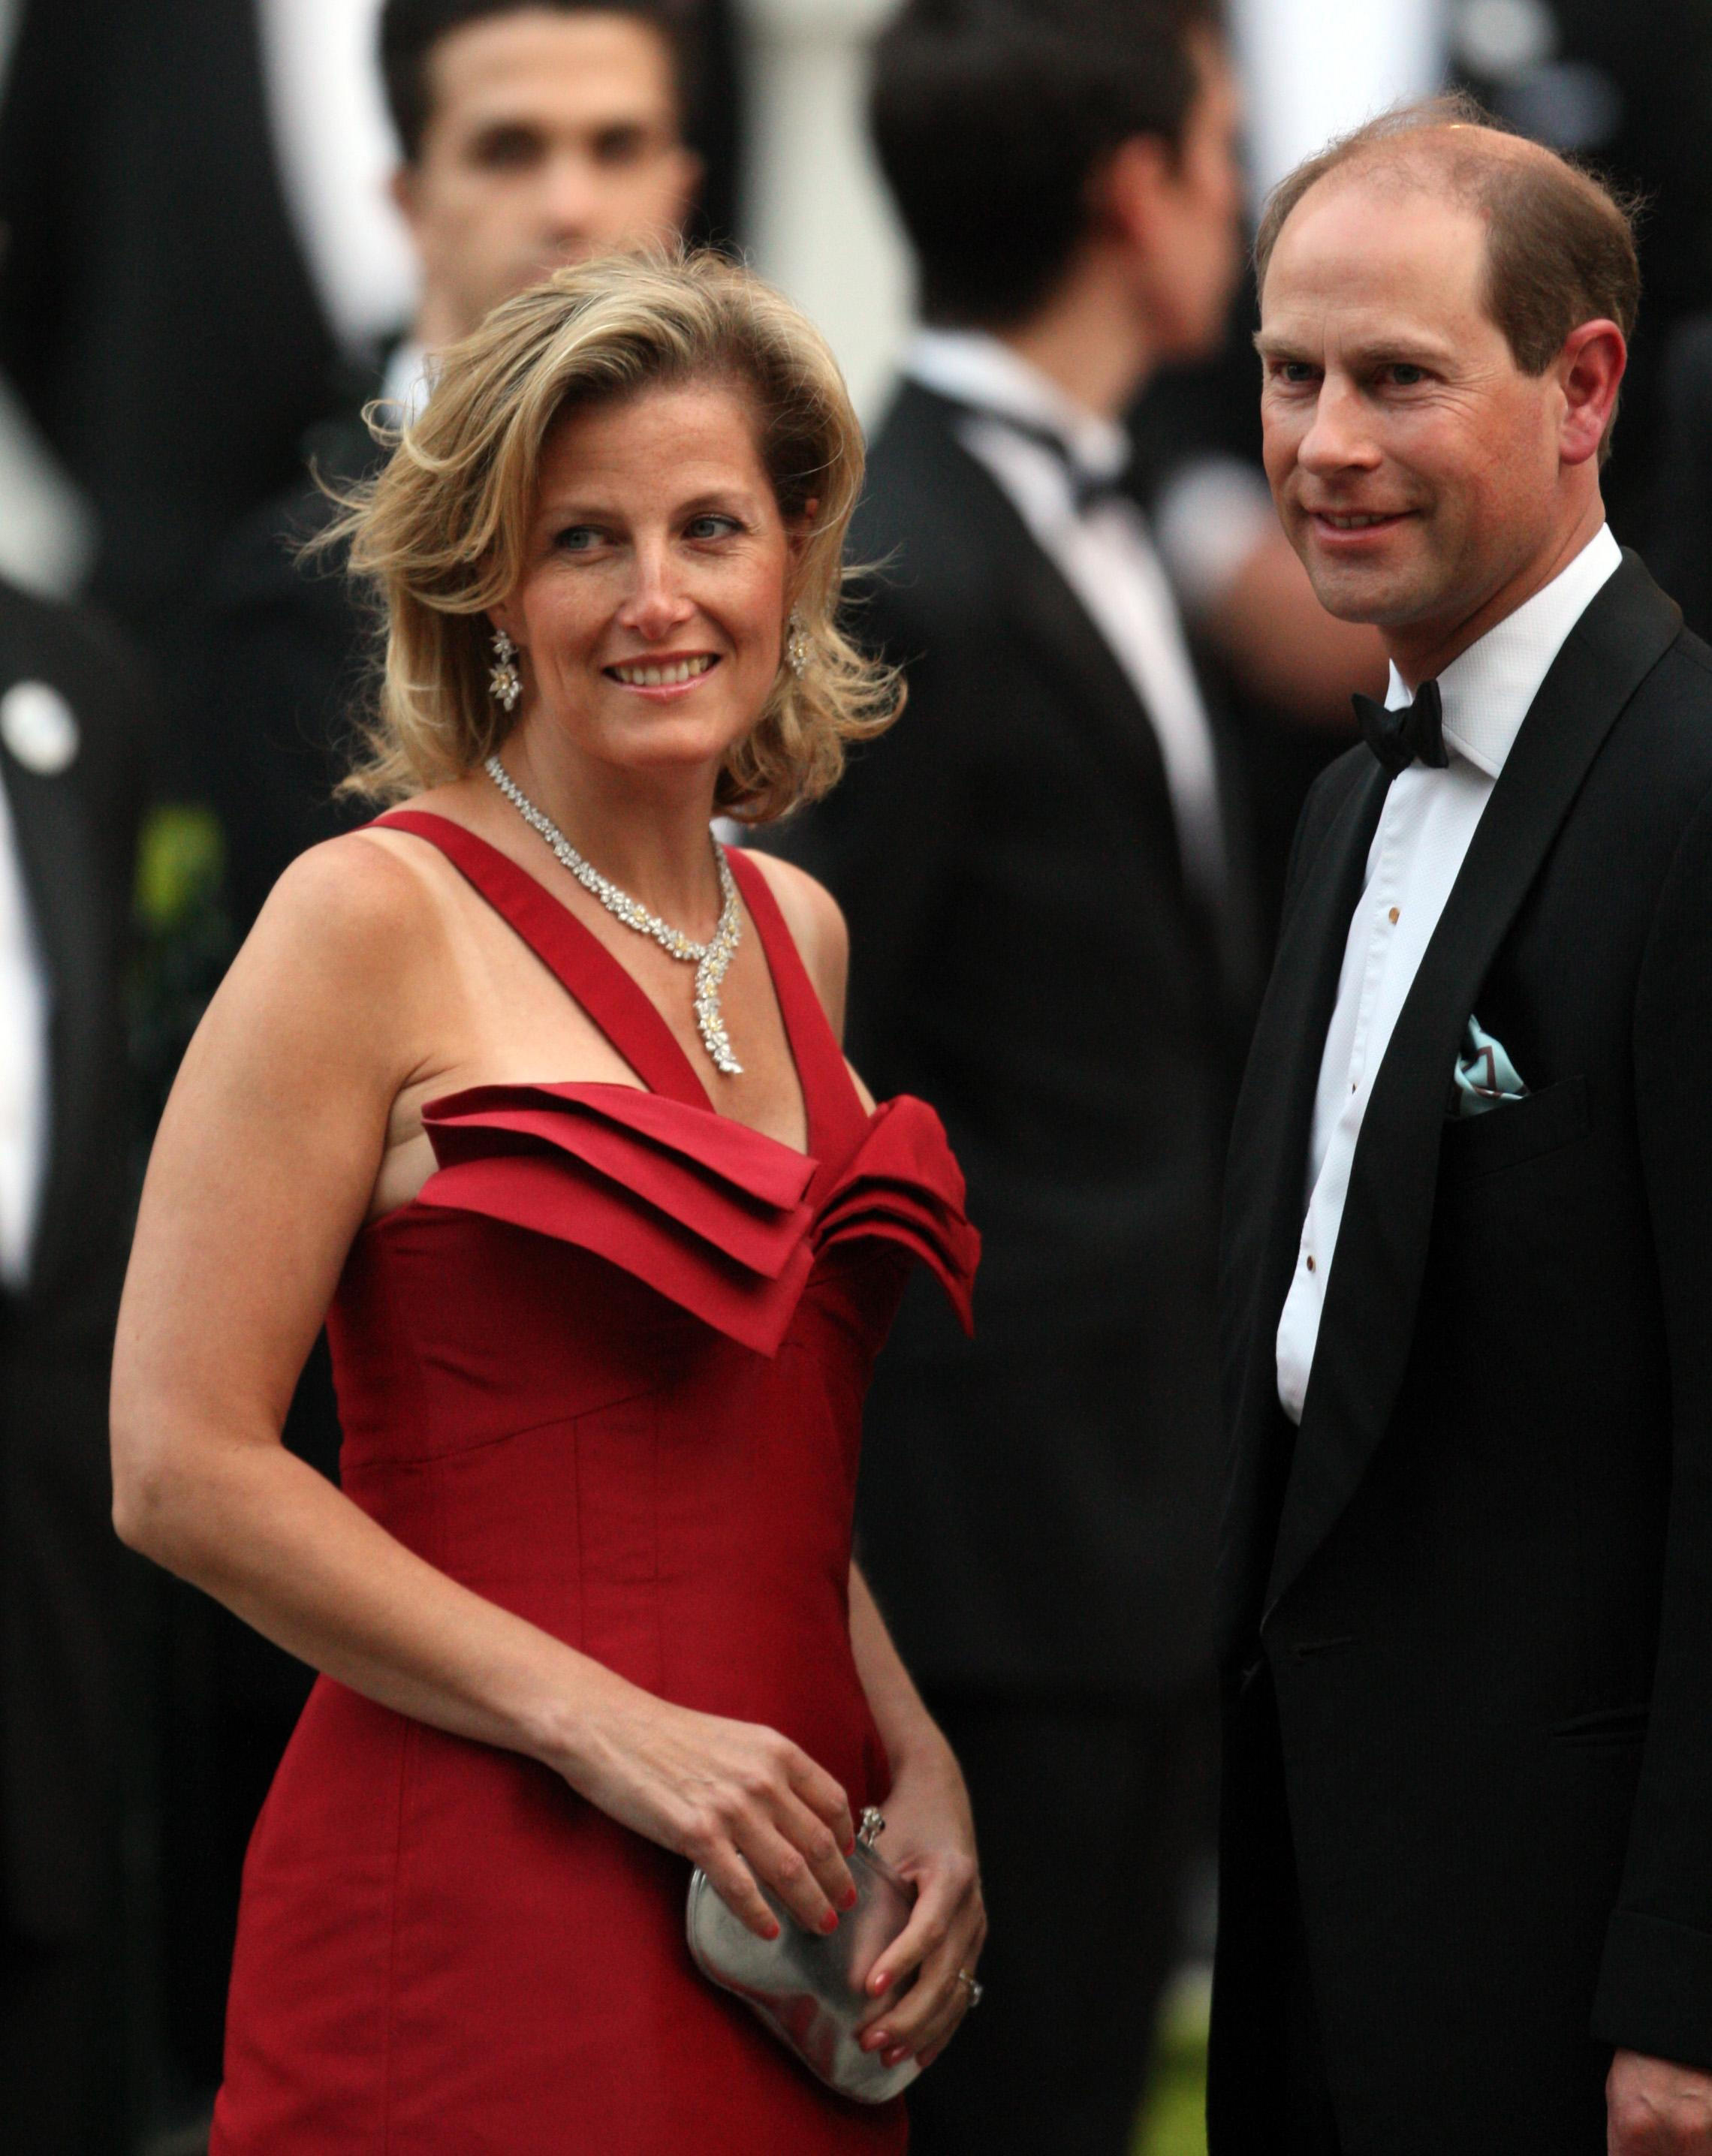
{"x": 181, "y": 857}
{"x": 1173, "y": 2121}
{"x": 183, "y": 944}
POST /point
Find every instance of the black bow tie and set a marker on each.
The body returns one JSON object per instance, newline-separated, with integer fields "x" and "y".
{"x": 1397, "y": 738}
{"x": 1088, "y": 490}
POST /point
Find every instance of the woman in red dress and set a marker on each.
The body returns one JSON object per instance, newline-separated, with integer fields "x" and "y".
{"x": 535, "y": 1094}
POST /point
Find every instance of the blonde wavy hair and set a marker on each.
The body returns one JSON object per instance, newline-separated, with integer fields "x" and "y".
{"x": 439, "y": 534}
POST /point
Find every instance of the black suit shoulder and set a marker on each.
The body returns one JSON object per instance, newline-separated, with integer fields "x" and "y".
{"x": 268, "y": 556}
{"x": 1673, "y": 707}
{"x": 288, "y": 651}
{"x": 940, "y": 540}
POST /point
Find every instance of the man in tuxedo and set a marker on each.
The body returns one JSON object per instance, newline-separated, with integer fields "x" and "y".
{"x": 1465, "y": 1570}
{"x": 1045, "y": 896}
{"x": 70, "y": 759}
{"x": 532, "y": 132}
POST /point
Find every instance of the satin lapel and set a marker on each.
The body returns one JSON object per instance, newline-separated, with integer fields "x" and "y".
{"x": 1367, "y": 1328}
{"x": 1265, "y": 1184}
{"x": 1097, "y": 690}
{"x": 60, "y": 882}
{"x": 1048, "y": 615}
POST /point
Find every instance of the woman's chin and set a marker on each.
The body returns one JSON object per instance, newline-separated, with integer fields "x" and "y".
{"x": 672, "y": 741}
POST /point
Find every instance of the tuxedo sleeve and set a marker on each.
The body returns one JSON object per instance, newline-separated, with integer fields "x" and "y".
{"x": 1655, "y": 1991}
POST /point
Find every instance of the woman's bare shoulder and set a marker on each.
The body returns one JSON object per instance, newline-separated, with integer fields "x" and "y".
{"x": 354, "y": 900}
{"x": 341, "y": 958}
{"x": 817, "y": 926}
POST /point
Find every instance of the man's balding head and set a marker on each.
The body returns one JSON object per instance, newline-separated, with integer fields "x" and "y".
{"x": 1444, "y": 319}
{"x": 1560, "y": 245}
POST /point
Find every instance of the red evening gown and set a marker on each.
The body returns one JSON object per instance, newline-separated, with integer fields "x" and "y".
{"x": 606, "y": 1369}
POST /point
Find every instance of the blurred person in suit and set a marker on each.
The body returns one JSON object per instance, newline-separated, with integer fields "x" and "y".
{"x": 532, "y": 133}
{"x": 71, "y": 738}
{"x": 1047, "y": 889}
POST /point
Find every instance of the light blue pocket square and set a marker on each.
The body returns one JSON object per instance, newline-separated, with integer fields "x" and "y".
{"x": 1486, "y": 1077}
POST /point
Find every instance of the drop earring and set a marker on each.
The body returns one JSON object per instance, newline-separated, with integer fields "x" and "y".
{"x": 505, "y": 684}
{"x": 796, "y": 643}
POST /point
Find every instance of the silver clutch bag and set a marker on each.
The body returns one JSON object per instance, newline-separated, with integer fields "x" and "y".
{"x": 807, "y": 1989}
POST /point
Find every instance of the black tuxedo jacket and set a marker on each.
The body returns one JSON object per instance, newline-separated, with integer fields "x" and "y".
{"x": 75, "y": 839}
{"x": 1466, "y": 1609}
{"x": 1036, "y": 1509}
{"x": 286, "y": 665}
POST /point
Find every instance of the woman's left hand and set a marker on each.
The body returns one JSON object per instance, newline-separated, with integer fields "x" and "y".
{"x": 930, "y": 1839}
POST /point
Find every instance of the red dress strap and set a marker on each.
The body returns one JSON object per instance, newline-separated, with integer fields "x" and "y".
{"x": 577, "y": 959}
{"x": 837, "y": 1119}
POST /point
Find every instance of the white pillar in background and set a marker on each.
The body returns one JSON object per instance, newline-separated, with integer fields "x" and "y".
{"x": 334, "y": 146}
{"x": 814, "y": 217}
{"x": 1313, "y": 69}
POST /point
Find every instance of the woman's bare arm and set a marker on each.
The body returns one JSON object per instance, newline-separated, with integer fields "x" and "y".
{"x": 930, "y": 1839}
{"x": 261, "y": 1176}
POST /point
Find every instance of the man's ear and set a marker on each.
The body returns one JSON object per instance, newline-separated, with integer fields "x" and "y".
{"x": 1589, "y": 372}
{"x": 1124, "y": 192}
{"x": 401, "y": 186}
{"x": 692, "y": 170}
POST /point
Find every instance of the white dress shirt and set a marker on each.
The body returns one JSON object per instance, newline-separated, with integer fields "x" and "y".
{"x": 1103, "y": 553}
{"x": 1417, "y": 853}
{"x": 406, "y": 383}
{"x": 24, "y": 1065}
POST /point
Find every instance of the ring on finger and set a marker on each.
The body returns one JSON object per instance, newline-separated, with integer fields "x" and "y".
{"x": 966, "y": 1977}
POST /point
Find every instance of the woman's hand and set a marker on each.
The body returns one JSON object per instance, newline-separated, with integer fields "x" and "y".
{"x": 740, "y": 1801}
{"x": 930, "y": 1840}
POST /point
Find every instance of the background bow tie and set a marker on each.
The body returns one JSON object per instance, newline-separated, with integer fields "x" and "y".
{"x": 1088, "y": 490}
{"x": 1397, "y": 738}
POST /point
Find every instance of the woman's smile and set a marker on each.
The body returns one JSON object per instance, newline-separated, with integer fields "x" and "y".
{"x": 665, "y": 676}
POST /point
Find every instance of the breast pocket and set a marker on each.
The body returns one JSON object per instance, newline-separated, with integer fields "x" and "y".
{"x": 1517, "y": 1131}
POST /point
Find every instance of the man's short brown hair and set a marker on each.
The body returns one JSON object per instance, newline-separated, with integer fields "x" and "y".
{"x": 1559, "y": 241}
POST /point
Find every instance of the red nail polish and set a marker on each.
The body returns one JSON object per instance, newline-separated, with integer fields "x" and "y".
{"x": 849, "y": 1898}
{"x": 849, "y": 1846}
{"x": 773, "y": 1933}
{"x": 896, "y": 2058}
{"x": 829, "y": 1923}
{"x": 879, "y": 1981}
{"x": 877, "y": 2040}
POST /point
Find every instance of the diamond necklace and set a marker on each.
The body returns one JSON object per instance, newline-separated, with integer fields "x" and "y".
{"x": 711, "y": 959}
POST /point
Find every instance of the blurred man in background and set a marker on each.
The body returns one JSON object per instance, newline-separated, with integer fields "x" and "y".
{"x": 70, "y": 758}
{"x": 531, "y": 135}
{"x": 1037, "y": 1509}
{"x": 532, "y": 132}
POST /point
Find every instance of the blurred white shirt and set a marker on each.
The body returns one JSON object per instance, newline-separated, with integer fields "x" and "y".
{"x": 24, "y": 1070}
{"x": 1104, "y": 553}
{"x": 407, "y": 383}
